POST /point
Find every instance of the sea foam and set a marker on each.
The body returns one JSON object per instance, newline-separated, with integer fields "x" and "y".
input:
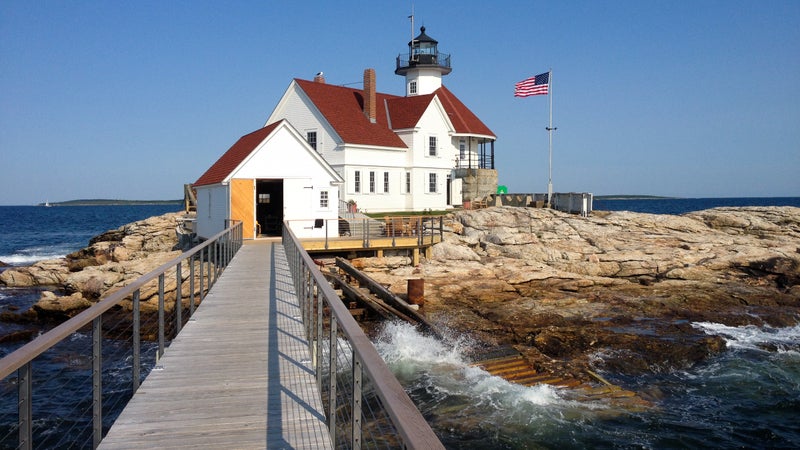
{"x": 751, "y": 337}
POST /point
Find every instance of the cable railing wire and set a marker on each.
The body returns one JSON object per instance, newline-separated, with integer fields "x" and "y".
{"x": 369, "y": 408}
{"x": 73, "y": 381}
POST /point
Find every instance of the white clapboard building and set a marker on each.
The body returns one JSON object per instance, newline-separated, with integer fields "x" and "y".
{"x": 382, "y": 152}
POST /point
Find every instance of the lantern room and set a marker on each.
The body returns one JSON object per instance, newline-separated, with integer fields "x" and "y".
{"x": 423, "y": 65}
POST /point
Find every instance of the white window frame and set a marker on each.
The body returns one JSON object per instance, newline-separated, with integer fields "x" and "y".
{"x": 371, "y": 181}
{"x": 412, "y": 87}
{"x": 357, "y": 181}
{"x": 315, "y": 143}
{"x": 408, "y": 182}
{"x": 324, "y": 199}
{"x": 385, "y": 182}
{"x": 433, "y": 146}
{"x": 462, "y": 149}
{"x": 433, "y": 183}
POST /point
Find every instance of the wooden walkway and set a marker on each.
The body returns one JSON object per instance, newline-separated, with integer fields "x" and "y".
{"x": 238, "y": 375}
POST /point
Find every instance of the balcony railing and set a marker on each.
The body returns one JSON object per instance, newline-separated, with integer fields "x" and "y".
{"x": 406, "y": 60}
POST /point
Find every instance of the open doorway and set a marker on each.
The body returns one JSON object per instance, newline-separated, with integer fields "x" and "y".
{"x": 269, "y": 207}
{"x": 449, "y": 190}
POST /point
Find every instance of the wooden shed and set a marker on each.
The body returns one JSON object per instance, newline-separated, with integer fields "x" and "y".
{"x": 268, "y": 176}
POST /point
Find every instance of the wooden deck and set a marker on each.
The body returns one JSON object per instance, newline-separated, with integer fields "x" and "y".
{"x": 238, "y": 375}
{"x": 375, "y": 243}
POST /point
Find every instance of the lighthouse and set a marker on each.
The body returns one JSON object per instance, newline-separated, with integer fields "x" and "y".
{"x": 423, "y": 65}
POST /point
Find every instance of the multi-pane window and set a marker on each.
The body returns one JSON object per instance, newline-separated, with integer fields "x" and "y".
{"x": 432, "y": 146}
{"x": 372, "y": 182}
{"x": 412, "y": 88}
{"x": 408, "y": 182}
{"x": 462, "y": 149}
{"x": 311, "y": 137}
{"x": 323, "y": 199}
{"x": 385, "y": 181}
{"x": 357, "y": 179}
{"x": 432, "y": 182}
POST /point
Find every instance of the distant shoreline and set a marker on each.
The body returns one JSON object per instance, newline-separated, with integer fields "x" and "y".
{"x": 109, "y": 202}
{"x": 632, "y": 197}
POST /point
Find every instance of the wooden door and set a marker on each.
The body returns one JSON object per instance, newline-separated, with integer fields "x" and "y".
{"x": 243, "y": 205}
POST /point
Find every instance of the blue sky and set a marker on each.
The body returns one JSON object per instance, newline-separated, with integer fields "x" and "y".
{"x": 131, "y": 100}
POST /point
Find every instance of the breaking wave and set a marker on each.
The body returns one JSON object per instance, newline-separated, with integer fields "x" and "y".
{"x": 751, "y": 337}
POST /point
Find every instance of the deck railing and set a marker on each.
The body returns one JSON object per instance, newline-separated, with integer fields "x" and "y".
{"x": 86, "y": 369}
{"x": 365, "y": 405}
{"x": 381, "y": 232}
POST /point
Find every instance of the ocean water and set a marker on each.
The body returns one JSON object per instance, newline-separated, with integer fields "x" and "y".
{"x": 684, "y": 205}
{"x": 747, "y": 397}
{"x": 33, "y": 233}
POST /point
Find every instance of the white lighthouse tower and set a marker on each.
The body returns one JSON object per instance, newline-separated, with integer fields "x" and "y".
{"x": 423, "y": 65}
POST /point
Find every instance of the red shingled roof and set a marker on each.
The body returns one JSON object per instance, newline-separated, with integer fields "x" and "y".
{"x": 343, "y": 107}
{"x": 464, "y": 120}
{"x": 406, "y": 111}
{"x": 235, "y": 155}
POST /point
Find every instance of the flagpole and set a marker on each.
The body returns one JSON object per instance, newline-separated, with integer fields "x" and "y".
{"x": 550, "y": 136}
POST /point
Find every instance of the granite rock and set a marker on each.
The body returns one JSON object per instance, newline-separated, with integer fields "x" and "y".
{"x": 619, "y": 284}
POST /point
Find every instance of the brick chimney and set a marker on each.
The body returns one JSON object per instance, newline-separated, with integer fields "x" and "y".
{"x": 370, "y": 97}
{"x": 319, "y": 78}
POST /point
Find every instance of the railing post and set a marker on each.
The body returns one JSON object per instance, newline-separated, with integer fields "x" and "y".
{"x": 97, "y": 380}
{"x": 332, "y": 364}
{"x": 319, "y": 335}
{"x": 202, "y": 251}
{"x": 326, "y": 232}
{"x": 310, "y": 316}
{"x": 224, "y": 253}
{"x": 137, "y": 343}
{"x": 215, "y": 259}
{"x": 25, "y": 395}
{"x": 309, "y": 306}
{"x": 363, "y": 233}
{"x": 191, "y": 285}
{"x": 178, "y": 299}
{"x": 160, "y": 316}
{"x": 355, "y": 436}
{"x": 208, "y": 267}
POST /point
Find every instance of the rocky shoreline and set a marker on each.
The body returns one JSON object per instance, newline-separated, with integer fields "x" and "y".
{"x": 617, "y": 291}
{"x": 112, "y": 260}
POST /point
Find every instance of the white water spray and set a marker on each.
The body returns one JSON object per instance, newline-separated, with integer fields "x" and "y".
{"x": 441, "y": 377}
{"x": 751, "y": 337}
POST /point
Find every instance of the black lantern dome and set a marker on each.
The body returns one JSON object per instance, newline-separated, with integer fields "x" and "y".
{"x": 423, "y": 52}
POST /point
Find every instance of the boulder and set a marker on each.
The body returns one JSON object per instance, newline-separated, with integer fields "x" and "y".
{"x": 53, "y": 307}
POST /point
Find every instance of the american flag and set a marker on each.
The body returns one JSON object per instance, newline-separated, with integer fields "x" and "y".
{"x": 533, "y": 86}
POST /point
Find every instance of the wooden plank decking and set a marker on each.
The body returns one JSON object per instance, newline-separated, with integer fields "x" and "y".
{"x": 238, "y": 375}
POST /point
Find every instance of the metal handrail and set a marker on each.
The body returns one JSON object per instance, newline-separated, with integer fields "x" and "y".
{"x": 422, "y": 228}
{"x": 316, "y": 295}
{"x": 219, "y": 250}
